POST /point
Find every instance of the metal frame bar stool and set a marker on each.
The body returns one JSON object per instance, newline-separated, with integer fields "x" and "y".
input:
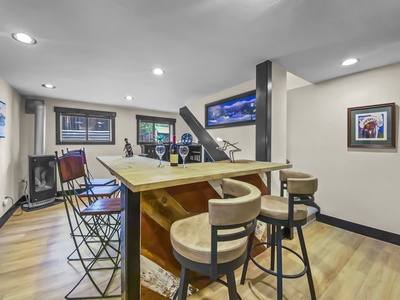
{"x": 92, "y": 181}
{"x": 291, "y": 213}
{"x": 95, "y": 230}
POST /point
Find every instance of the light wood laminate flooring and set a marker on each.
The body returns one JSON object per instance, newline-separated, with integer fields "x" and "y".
{"x": 346, "y": 266}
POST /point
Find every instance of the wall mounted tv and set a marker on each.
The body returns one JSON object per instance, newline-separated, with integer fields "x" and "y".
{"x": 233, "y": 111}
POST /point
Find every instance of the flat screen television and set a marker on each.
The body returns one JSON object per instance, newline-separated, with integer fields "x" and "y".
{"x": 233, "y": 111}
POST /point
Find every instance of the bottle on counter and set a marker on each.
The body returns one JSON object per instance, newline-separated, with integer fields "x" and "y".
{"x": 173, "y": 153}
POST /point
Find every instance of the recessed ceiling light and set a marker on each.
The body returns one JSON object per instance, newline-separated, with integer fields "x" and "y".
{"x": 48, "y": 86}
{"x": 350, "y": 61}
{"x": 129, "y": 98}
{"x": 24, "y": 38}
{"x": 158, "y": 71}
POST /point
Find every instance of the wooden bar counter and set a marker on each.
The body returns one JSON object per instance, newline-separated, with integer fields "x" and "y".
{"x": 153, "y": 198}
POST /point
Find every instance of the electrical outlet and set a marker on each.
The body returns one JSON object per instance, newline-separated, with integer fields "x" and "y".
{"x": 5, "y": 202}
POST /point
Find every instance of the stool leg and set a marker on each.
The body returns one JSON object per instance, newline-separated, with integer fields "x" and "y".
{"x": 183, "y": 284}
{"x": 307, "y": 262}
{"x": 230, "y": 276}
{"x": 246, "y": 263}
{"x": 273, "y": 244}
{"x": 279, "y": 277}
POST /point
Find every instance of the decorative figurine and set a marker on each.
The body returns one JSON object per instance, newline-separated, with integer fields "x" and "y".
{"x": 128, "y": 148}
{"x": 226, "y": 145}
{"x": 160, "y": 138}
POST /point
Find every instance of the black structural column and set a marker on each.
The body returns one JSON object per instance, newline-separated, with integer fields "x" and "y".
{"x": 264, "y": 113}
{"x": 130, "y": 244}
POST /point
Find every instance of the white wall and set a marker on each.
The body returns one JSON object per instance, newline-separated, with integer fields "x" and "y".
{"x": 278, "y": 126}
{"x": 361, "y": 186}
{"x": 10, "y": 165}
{"x": 125, "y": 127}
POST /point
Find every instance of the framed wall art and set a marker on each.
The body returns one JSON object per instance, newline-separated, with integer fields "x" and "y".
{"x": 2, "y": 119}
{"x": 233, "y": 111}
{"x": 372, "y": 126}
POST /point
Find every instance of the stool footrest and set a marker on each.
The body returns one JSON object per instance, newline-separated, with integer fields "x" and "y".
{"x": 269, "y": 271}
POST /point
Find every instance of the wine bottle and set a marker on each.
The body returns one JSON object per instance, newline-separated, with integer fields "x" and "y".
{"x": 173, "y": 153}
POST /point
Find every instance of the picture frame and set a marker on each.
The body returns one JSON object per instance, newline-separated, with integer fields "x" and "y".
{"x": 372, "y": 126}
{"x": 2, "y": 119}
{"x": 237, "y": 110}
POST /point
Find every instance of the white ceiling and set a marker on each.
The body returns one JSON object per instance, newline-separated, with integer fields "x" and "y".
{"x": 102, "y": 50}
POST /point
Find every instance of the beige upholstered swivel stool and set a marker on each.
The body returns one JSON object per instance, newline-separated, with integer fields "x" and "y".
{"x": 283, "y": 177}
{"x": 285, "y": 174}
{"x": 216, "y": 243}
{"x": 288, "y": 212}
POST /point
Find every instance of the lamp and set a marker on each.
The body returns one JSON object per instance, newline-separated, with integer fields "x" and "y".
{"x": 226, "y": 145}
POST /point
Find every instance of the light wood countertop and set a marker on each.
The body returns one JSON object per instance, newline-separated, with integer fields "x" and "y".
{"x": 142, "y": 174}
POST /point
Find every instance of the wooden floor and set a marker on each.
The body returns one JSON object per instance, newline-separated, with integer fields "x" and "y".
{"x": 34, "y": 246}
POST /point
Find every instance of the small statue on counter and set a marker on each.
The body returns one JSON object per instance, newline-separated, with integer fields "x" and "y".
{"x": 231, "y": 152}
{"x": 128, "y": 148}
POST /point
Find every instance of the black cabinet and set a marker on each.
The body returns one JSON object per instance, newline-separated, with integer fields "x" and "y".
{"x": 194, "y": 156}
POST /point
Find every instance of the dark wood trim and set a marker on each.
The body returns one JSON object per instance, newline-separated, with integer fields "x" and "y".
{"x": 152, "y": 119}
{"x": 156, "y": 119}
{"x": 209, "y": 144}
{"x": 4, "y": 218}
{"x": 378, "y": 234}
{"x": 84, "y": 112}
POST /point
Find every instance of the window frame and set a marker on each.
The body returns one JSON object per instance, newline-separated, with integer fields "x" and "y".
{"x": 86, "y": 113}
{"x": 152, "y": 119}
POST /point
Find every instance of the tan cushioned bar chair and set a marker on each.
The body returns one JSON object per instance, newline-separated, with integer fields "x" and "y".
{"x": 285, "y": 174}
{"x": 217, "y": 242}
{"x": 283, "y": 177}
{"x": 291, "y": 213}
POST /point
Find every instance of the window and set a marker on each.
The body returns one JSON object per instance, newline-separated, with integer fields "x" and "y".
{"x": 149, "y": 128}
{"x": 80, "y": 126}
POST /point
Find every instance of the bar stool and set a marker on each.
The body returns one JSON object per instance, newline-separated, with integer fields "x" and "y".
{"x": 92, "y": 181}
{"x": 217, "y": 242}
{"x": 94, "y": 188}
{"x": 283, "y": 177}
{"x": 291, "y": 213}
{"x": 285, "y": 174}
{"x": 95, "y": 230}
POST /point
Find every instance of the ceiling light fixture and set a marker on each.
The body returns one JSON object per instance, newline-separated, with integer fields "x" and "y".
{"x": 350, "y": 61}
{"x": 158, "y": 71}
{"x": 23, "y": 38}
{"x": 48, "y": 86}
{"x": 129, "y": 98}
